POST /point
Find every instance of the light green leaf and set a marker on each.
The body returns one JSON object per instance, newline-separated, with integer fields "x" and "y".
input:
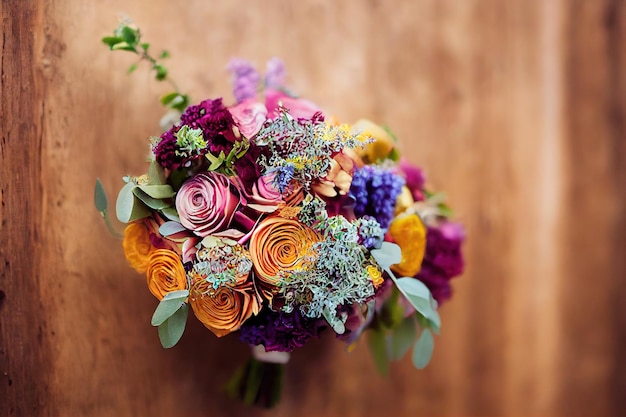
{"x": 100, "y": 197}
{"x": 124, "y": 46}
{"x": 112, "y": 40}
{"x": 423, "y": 350}
{"x": 129, "y": 35}
{"x": 414, "y": 287}
{"x": 378, "y": 347}
{"x": 388, "y": 254}
{"x": 132, "y": 68}
{"x": 128, "y": 207}
{"x": 156, "y": 174}
{"x": 420, "y": 298}
{"x": 158, "y": 191}
{"x": 170, "y": 228}
{"x": 168, "y": 98}
{"x": 153, "y": 203}
{"x": 171, "y": 214}
{"x": 403, "y": 338}
{"x": 172, "y": 329}
{"x": 168, "y": 306}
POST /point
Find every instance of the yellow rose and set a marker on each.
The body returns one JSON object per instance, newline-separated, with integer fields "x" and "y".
{"x": 222, "y": 311}
{"x": 137, "y": 246}
{"x": 280, "y": 245}
{"x": 409, "y": 233}
{"x": 165, "y": 273}
{"x": 382, "y": 145}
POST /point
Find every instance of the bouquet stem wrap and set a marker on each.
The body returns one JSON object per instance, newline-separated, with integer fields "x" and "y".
{"x": 260, "y": 380}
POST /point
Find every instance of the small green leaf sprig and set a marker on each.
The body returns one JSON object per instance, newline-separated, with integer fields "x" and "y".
{"x": 127, "y": 37}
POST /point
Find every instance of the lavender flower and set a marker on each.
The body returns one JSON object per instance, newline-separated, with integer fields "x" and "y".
{"x": 443, "y": 259}
{"x": 246, "y": 79}
{"x": 279, "y": 331}
{"x": 375, "y": 190}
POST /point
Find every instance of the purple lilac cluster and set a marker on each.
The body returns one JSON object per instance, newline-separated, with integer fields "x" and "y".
{"x": 279, "y": 331}
{"x": 375, "y": 191}
{"x": 443, "y": 259}
{"x": 245, "y": 79}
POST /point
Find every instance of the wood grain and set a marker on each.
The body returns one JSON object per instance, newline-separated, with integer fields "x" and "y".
{"x": 515, "y": 108}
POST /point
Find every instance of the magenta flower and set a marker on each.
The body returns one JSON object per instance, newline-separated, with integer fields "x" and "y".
{"x": 414, "y": 179}
{"x": 249, "y": 116}
{"x": 207, "y": 203}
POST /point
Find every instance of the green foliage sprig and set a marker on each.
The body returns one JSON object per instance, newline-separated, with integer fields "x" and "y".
{"x": 127, "y": 37}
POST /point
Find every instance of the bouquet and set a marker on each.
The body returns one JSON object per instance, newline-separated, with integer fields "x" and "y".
{"x": 269, "y": 218}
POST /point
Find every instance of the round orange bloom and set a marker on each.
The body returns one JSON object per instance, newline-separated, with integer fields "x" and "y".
{"x": 278, "y": 245}
{"x": 409, "y": 233}
{"x": 222, "y": 310}
{"x": 137, "y": 246}
{"x": 165, "y": 273}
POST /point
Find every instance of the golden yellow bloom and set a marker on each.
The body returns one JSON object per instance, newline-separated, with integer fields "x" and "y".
{"x": 137, "y": 246}
{"x": 382, "y": 145}
{"x": 375, "y": 275}
{"x": 404, "y": 200}
{"x": 223, "y": 310}
{"x": 409, "y": 233}
{"x": 165, "y": 273}
{"x": 280, "y": 245}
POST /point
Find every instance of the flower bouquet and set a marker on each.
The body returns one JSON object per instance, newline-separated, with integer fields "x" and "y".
{"x": 271, "y": 219}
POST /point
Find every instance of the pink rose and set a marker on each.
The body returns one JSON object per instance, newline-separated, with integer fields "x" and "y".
{"x": 298, "y": 108}
{"x": 207, "y": 203}
{"x": 249, "y": 116}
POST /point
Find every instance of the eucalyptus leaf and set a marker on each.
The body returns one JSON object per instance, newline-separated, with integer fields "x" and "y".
{"x": 128, "y": 207}
{"x": 423, "y": 350}
{"x": 172, "y": 329}
{"x": 403, "y": 338}
{"x": 168, "y": 306}
{"x": 158, "y": 191}
{"x": 171, "y": 214}
{"x": 153, "y": 203}
{"x": 388, "y": 254}
{"x": 156, "y": 174}
{"x": 170, "y": 228}
{"x": 414, "y": 287}
{"x": 378, "y": 347}
{"x": 100, "y": 197}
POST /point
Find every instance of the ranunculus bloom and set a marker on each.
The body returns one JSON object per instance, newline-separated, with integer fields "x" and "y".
{"x": 206, "y": 203}
{"x": 249, "y": 116}
{"x": 265, "y": 195}
{"x": 165, "y": 273}
{"x": 222, "y": 310}
{"x": 382, "y": 145}
{"x": 137, "y": 246}
{"x": 281, "y": 245}
{"x": 409, "y": 233}
{"x": 338, "y": 179}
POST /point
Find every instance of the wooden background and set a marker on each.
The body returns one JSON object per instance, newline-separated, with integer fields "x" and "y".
{"x": 515, "y": 108}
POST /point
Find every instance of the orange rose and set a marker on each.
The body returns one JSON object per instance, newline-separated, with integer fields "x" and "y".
{"x": 222, "y": 310}
{"x": 280, "y": 245}
{"x": 409, "y": 233}
{"x": 137, "y": 246}
{"x": 165, "y": 273}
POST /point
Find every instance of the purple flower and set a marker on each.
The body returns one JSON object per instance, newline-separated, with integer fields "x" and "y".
{"x": 275, "y": 73}
{"x": 245, "y": 79}
{"x": 415, "y": 179}
{"x": 375, "y": 190}
{"x": 443, "y": 259}
{"x": 279, "y": 331}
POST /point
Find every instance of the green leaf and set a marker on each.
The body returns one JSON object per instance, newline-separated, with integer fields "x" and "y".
{"x": 168, "y": 306}
{"x": 132, "y": 68}
{"x": 158, "y": 191}
{"x": 168, "y": 98}
{"x": 403, "y": 337}
{"x": 378, "y": 347}
{"x": 423, "y": 350}
{"x": 181, "y": 104}
{"x": 153, "y": 203}
{"x": 112, "y": 40}
{"x": 414, "y": 287}
{"x": 161, "y": 72}
{"x": 145, "y": 46}
{"x": 171, "y": 214}
{"x": 129, "y": 35}
{"x": 100, "y": 197}
{"x": 170, "y": 228}
{"x": 124, "y": 46}
{"x": 172, "y": 329}
{"x": 156, "y": 174}
{"x": 164, "y": 54}
{"x": 128, "y": 207}
{"x": 392, "y": 313}
{"x": 388, "y": 254}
